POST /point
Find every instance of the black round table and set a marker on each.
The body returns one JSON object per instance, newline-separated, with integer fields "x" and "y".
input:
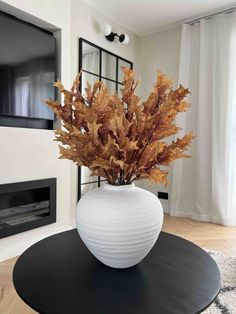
{"x": 58, "y": 275}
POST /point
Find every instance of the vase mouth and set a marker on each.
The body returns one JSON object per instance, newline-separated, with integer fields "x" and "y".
{"x": 111, "y": 187}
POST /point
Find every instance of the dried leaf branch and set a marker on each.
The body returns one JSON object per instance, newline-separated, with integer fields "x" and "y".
{"x": 122, "y": 140}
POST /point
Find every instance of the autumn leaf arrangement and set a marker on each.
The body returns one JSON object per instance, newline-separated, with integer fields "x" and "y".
{"x": 121, "y": 138}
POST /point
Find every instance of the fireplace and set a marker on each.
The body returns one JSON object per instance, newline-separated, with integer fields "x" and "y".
{"x": 27, "y": 205}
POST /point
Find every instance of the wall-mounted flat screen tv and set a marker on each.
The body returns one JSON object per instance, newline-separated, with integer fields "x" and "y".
{"x": 27, "y": 69}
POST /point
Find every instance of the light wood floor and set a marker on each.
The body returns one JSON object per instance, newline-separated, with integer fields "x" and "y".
{"x": 206, "y": 235}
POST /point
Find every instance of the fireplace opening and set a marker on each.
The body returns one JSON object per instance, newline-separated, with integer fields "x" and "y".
{"x": 27, "y": 205}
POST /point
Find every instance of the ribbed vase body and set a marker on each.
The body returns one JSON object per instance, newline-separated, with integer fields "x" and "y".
{"x": 119, "y": 224}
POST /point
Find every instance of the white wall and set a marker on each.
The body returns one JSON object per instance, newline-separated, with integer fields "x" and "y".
{"x": 27, "y": 154}
{"x": 159, "y": 51}
{"x": 87, "y": 23}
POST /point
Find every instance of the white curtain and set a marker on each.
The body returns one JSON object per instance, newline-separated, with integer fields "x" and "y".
{"x": 204, "y": 187}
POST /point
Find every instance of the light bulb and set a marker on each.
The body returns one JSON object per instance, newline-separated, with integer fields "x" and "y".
{"x": 126, "y": 40}
{"x": 107, "y": 29}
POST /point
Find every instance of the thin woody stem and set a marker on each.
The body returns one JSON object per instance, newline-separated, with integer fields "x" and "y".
{"x": 146, "y": 144}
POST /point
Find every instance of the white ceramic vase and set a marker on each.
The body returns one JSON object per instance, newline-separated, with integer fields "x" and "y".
{"x": 119, "y": 224}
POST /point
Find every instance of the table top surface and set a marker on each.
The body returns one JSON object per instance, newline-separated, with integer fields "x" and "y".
{"x": 59, "y": 275}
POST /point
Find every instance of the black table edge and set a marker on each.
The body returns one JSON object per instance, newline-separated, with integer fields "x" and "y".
{"x": 163, "y": 232}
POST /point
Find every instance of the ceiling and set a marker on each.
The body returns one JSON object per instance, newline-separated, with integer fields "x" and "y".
{"x": 144, "y": 17}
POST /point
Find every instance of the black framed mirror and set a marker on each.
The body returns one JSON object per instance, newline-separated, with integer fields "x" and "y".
{"x": 97, "y": 63}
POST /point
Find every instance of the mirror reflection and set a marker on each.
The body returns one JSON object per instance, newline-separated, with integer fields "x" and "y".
{"x": 122, "y": 63}
{"x": 90, "y": 61}
{"x": 87, "y": 78}
{"x": 111, "y": 86}
{"x": 108, "y": 66}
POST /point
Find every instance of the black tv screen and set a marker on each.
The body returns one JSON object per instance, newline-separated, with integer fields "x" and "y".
{"x": 27, "y": 69}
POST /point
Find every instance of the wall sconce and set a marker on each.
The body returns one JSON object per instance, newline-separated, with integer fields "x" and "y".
{"x": 123, "y": 38}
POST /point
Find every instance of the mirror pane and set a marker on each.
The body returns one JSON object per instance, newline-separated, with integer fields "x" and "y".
{"x": 108, "y": 66}
{"x": 88, "y": 187}
{"x": 90, "y": 58}
{"x": 111, "y": 86}
{"x": 121, "y": 64}
{"x": 85, "y": 175}
{"x": 87, "y": 78}
{"x": 120, "y": 86}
